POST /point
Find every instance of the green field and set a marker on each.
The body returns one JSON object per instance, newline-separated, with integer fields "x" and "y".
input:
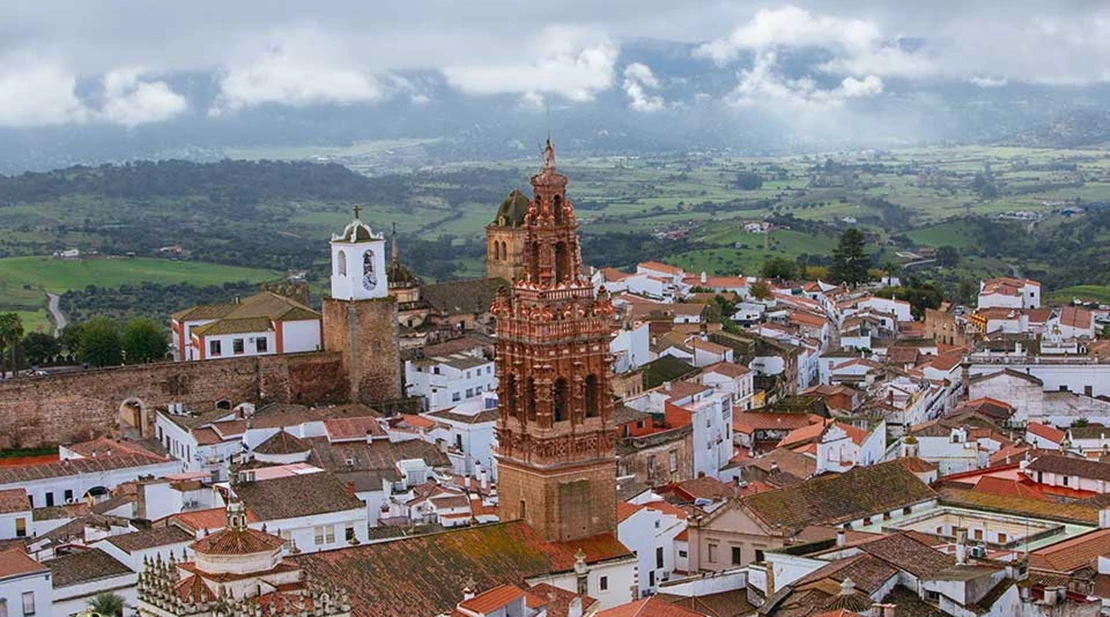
{"x": 1096, "y": 293}
{"x": 24, "y": 281}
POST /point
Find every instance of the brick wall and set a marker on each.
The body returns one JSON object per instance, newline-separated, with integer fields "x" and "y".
{"x": 38, "y": 411}
{"x": 560, "y": 505}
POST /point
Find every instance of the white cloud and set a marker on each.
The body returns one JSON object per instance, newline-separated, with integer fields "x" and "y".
{"x": 297, "y": 67}
{"x": 572, "y": 63}
{"x": 763, "y": 87}
{"x": 638, "y": 79}
{"x": 988, "y": 82}
{"x": 37, "y": 94}
{"x": 130, "y": 101}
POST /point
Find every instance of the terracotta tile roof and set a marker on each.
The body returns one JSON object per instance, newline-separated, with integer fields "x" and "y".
{"x": 471, "y": 297}
{"x": 948, "y": 361}
{"x": 150, "y": 538}
{"x": 626, "y": 510}
{"x": 666, "y": 508}
{"x": 343, "y": 429}
{"x": 70, "y": 467}
{"x": 797, "y": 465}
{"x": 199, "y": 520}
{"x": 838, "y": 498}
{"x": 869, "y": 573}
{"x": 84, "y": 567}
{"x": 237, "y": 542}
{"x": 15, "y": 562}
{"x": 381, "y": 455}
{"x": 1046, "y": 432}
{"x": 483, "y": 416}
{"x": 992, "y": 408}
{"x": 424, "y": 575}
{"x": 1076, "y": 317}
{"x": 14, "y": 500}
{"x": 282, "y": 442}
{"x": 296, "y": 496}
{"x": 659, "y": 267}
{"x": 750, "y": 421}
{"x": 1072, "y": 554}
{"x": 649, "y": 607}
{"x": 417, "y": 421}
{"x": 206, "y": 436}
{"x": 1083, "y": 468}
{"x": 1067, "y": 512}
{"x": 493, "y": 599}
{"x": 732, "y": 603}
{"x": 728, "y": 369}
{"x": 555, "y": 600}
{"x": 914, "y": 464}
{"x": 1013, "y": 488}
{"x": 706, "y": 487}
{"x": 907, "y": 553}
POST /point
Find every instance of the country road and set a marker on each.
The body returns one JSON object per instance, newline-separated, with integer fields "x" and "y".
{"x": 56, "y": 313}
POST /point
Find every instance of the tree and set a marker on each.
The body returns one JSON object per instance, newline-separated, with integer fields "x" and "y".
{"x": 143, "y": 341}
{"x": 11, "y": 332}
{"x": 748, "y": 181}
{"x": 107, "y": 604}
{"x": 760, "y": 290}
{"x": 779, "y": 268}
{"x": 71, "y": 337}
{"x": 40, "y": 347}
{"x": 850, "y": 262}
{"x": 948, "y": 256}
{"x": 100, "y": 343}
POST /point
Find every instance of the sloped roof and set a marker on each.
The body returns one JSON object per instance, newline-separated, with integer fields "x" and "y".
{"x": 296, "y": 496}
{"x": 907, "y": 553}
{"x": 1044, "y": 431}
{"x": 282, "y": 442}
{"x": 14, "y": 500}
{"x": 237, "y": 542}
{"x": 1072, "y": 554}
{"x": 150, "y": 538}
{"x": 1071, "y": 466}
{"x": 424, "y": 575}
{"x": 649, "y": 607}
{"x": 1007, "y": 372}
{"x": 84, "y": 567}
{"x": 512, "y": 210}
{"x": 1067, "y": 512}
{"x": 266, "y": 304}
{"x": 15, "y": 562}
{"x": 837, "y": 498}
{"x": 461, "y": 297}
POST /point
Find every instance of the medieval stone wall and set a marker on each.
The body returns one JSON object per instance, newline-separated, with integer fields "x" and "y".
{"x": 560, "y": 504}
{"x": 38, "y": 411}
{"x": 365, "y": 334}
{"x": 505, "y": 252}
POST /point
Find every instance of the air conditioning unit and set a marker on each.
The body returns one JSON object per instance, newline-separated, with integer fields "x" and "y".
{"x": 979, "y": 552}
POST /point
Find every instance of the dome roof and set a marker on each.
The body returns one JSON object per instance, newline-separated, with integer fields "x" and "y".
{"x": 357, "y": 231}
{"x": 512, "y": 210}
{"x": 400, "y": 276}
{"x": 237, "y": 542}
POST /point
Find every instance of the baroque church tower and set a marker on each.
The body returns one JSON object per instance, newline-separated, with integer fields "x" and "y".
{"x": 556, "y": 464}
{"x": 360, "y": 317}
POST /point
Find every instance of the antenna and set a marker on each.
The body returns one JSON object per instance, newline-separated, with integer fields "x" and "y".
{"x": 547, "y": 109}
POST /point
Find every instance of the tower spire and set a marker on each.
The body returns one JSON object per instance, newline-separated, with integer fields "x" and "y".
{"x": 394, "y": 247}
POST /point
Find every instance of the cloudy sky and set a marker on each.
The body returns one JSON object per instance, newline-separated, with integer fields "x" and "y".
{"x": 107, "y": 62}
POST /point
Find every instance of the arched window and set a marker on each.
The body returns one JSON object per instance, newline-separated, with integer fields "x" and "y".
{"x": 560, "y": 397}
{"x": 341, "y": 263}
{"x": 511, "y": 407}
{"x": 530, "y": 399}
{"x": 593, "y": 397}
{"x": 557, "y": 205}
{"x": 504, "y": 251}
{"x": 369, "y": 275}
{"x": 534, "y": 266}
{"x": 562, "y": 262}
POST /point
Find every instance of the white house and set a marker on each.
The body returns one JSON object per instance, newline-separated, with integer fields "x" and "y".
{"x": 467, "y": 429}
{"x": 263, "y": 324}
{"x": 1009, "y": 293}
{"x": 82, "y": 574}
{"x": 736, "y": 379}
{"x": 899, "y": 308}
{"x": 25, "y": 585}
{"x": 649, "y": 530}
{"x": 445, "y": 381}
{"x": 132, "y": 549}
{"x": 631, "y": 347}
{"x": 15, "y": 514}
{"x": 1072, "y": 322}
{"x": 310, "y": 511}
{"x": 89, "y": 469}
{"x": 1044, "y": 437}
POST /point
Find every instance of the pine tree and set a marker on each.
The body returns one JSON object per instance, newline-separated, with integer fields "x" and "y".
{"x": 850, "y": 262}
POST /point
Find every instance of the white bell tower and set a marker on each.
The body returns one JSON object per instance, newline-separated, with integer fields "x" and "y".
{"x": 358, "y": 263}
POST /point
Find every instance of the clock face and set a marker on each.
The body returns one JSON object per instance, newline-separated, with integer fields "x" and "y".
{"x": 370, "y": 280}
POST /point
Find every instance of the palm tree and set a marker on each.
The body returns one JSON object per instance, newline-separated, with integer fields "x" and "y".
{"x": 106, "y": 604}
{"x": 11, "y": 332}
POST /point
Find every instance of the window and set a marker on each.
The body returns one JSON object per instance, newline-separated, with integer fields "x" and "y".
{"x": 736, "y": 555}
{"x": 674, "y": 461}
{"x": 977, "y": 534}
{"x": 287, "y": 538}
{"x": 651, "y": 578}
{"x": 3, "y": 607}
{"x": 50, "y": 498}
{"x": 261, "y": 344}
{"x": 214, "y": 348}
{"x": 603, "y": 583}
{"x": 20, "y": 530}
{"x": 1002, "y": 538}
{"x": 69, "y": 495}
{"x": 682, "y": 554}
{"x": 523, "y": 511}
{"x": 349, "y": 534}
{"x": 659, "y": 557}
{"x": 48, "y": 494}
{"x": 325, "y": 534}
{"x": 906, "y": 510}
{"x": 867, "y": 520}
{"x": 712, "y": 553}
{"x": 458, "y": 441}
{"x": 28, "y": 603}
{"x": 237, "y": 345}
{"x": 469, "y": 392}
{"x": 456, "y": 397}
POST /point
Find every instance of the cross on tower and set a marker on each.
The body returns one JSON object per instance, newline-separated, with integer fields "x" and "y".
{"x": 357, "y": 210}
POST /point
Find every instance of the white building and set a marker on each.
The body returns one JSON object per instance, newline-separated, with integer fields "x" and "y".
{"x": 467, "y": 430}
{"x": 263, "y": 324}
{"x": 25, "y": 586}
{"x": 82, "y": 574}
{"x": 733, "y": 378}
{"x": 15, "y": 514}
{"x": 358, "y": 263}
{"x": 631, "y": 347}
{"x": 310, "y": 511}
{"x": 649, "y": 530}
{"x": 1072, "y": 322}
{"x": 1009, "y": 293}
{"x": 445, "y": 381}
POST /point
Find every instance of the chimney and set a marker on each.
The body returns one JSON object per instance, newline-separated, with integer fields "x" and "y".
{"x": 841, "y": 537}
{"x": 847, "y": 587}
{"x": 466, "y": 483}
{"x": 351, "y": 489}
{"x": 470, "y": 590}
{"x": 883, "y": 610}
{"x": 704, "y": 278}
{"x": 769, "y": 568}
{"x": 774, "y": 466}
{"x": 1104, "y": 518}
{"x": 369, "y": 437}
{"x": 483, "y": 477}
{"x": 961, "y": 546}
{"x": 666, "y": 386}
{"x": 1051, "y": 595}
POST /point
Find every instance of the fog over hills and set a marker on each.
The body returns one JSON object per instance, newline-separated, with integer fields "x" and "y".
{"x": 757, "y": 79}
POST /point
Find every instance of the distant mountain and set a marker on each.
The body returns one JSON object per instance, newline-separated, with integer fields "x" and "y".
{"x": 1076, "y": 128}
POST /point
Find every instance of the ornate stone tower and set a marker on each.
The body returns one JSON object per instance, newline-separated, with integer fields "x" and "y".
{"x": 557, "y": 469}
{"x": 505, "y": 239}
{"x": 360, "y": 317}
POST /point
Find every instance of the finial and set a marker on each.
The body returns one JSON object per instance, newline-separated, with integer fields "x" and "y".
{"x": 358, "y": 209}
{"x": 395, "y": 248}
{"x": 549, "y": 155}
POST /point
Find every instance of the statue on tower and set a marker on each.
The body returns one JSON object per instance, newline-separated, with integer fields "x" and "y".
{"x": 549, "y": 155}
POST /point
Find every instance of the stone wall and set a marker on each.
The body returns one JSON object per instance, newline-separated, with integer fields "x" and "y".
{"x": 39, "y": 411}
{"x": 365, "y": 334}
{"x": 560, "y": 504}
